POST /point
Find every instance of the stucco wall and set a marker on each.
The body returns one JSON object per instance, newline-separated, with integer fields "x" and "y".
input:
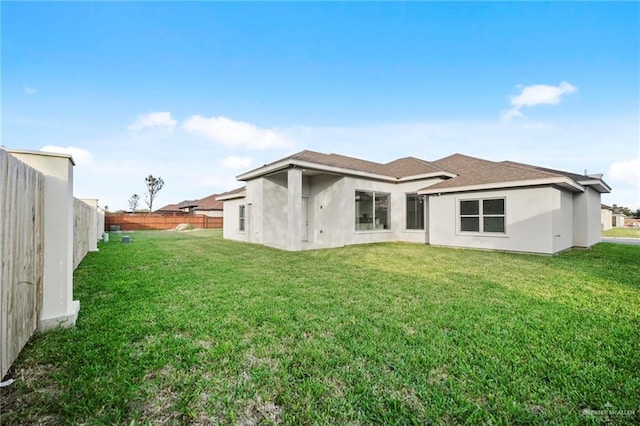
{"x": 606, "y": 219}
{"x": 209, "y": 213}
{"x": 330, "y": 215}
{"x": 586, "y": 218}
{"x": 272, "y": 211}
{"x": 528, "y": 219}
{"x": 562, "y": 220}
{"x": 230, "y": 223}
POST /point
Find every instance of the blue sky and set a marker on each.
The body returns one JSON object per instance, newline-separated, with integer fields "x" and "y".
{"x": 198, "y": 93}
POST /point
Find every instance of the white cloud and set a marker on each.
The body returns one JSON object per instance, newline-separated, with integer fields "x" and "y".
{"x": 236, "y": 133}
{"x": 28, "y": 90}
{"x": 234, "y": 162}
{"x": 626, "y": 171}
{"x": 538, "y": 94}
{"x": 154, "y": 121}
{"x": 80, "y": 156}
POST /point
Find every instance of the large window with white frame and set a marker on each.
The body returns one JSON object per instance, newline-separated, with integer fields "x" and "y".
{"x": 415, "y": 211}
{"x": 482, "y": 215}
{"x": 373, "y": 211}
{"x": 241, "y": 211}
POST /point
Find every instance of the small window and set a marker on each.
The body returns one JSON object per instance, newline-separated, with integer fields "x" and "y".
{"x": 482, "y": 215}
{"x": 241, "y": 218}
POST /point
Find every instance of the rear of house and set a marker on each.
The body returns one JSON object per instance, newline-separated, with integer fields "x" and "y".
{"x": 312, "y": 200}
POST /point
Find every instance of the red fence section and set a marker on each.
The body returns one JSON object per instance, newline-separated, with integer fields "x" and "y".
{"x": 136, "y": 222}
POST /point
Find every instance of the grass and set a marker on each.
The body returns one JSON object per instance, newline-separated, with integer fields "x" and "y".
{"x": 187, "y": 328}
{"x": 622, "y": 232}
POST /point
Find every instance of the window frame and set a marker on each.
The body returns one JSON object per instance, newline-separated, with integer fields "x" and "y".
{"x": 481, "y": 216}
{"x": 242, "y": 211}
{"x": 406, "y": 211}
{"x": 373, "y": 208}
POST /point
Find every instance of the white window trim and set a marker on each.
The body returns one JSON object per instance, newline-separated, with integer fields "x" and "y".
{"x": 373, "y": 193}
{"x": 481, "y": 233}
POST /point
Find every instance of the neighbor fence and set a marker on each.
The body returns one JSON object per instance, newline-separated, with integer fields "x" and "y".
{"x": 44, "y": 234}
{"x": 136, "y": 222}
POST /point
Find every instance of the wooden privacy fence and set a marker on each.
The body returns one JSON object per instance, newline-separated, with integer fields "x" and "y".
{"x": 21, "y": 255}
{"x": 83, "y": 230}
{"x": 135, "y": 222}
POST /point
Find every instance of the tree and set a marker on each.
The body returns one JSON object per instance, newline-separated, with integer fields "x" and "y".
{"x": 133, "y": 202}
{"x": 154, "y": 185}
{"x": 622, "y": 210}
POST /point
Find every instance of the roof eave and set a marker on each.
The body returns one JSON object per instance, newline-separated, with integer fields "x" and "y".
{"x": 235, "y": 195}
{"x": 597, "y": 184}
{"x": 285, "y": 164}
{"x": 561, "y": 181}
{"x": 427, "y": 176}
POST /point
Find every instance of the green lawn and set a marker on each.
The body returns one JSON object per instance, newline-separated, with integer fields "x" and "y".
{"x": 622, "y": 232}
{"x": 187, "y": 328}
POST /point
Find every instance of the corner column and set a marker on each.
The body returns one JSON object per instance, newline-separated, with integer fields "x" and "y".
{"x": 294, "y": 209}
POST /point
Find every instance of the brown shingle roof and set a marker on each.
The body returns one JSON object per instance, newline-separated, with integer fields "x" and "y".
{"x": 575, "y": 176}
{"x": 169, "y": 208}
{"x": 475, "y": 171}
{"x": 403, "y": 167}
{"x": 232, "y": 192}
{"x": 209, "y": 203}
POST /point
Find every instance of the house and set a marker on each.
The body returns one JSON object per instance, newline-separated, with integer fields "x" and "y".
{"x": 209, "y": 206}
{"x": 606, "y": 217}
{"x": 618, "y": 220}
{"x": 312, "y": 200}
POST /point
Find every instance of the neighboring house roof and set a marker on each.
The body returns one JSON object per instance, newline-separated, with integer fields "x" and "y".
{"x": 236, "y": 193}
{"x": 605, "y": 207}
{"x": 169, "y": 208}
{"x": 187, "y": 204}
{"x": 209, "y": 203}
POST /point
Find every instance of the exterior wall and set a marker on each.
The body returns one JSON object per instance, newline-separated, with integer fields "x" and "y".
{"x": 538, "y": 220}
{"x": 210, "y": 213}
{"x": 529, "y": 220}
{"x": 586, "y": 218}
{"x": 230, "y": 228}
{"x": 618, "y": 220}
{"x": 562, "y": 220}
{"x": 270, "y": 210}
{"x": 606, "y": 219}
{"x": 58, "y": 306}
{"x": 330, "y": 211}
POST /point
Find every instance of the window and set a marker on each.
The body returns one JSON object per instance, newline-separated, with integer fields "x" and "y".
{"x": 241, "y": 218}
{"x": 372, "y": 211}
{"x": 482, "y": 215}
{"x": 415, "y": 211}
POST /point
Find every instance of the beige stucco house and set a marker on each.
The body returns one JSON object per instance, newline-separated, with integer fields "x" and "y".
{"x": 311, "y": 200}
{"x": 606, "y": 217}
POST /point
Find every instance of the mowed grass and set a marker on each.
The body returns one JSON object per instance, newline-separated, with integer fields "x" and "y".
{"x": 622, "y": 232}
{"x": 187, "y": 328}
